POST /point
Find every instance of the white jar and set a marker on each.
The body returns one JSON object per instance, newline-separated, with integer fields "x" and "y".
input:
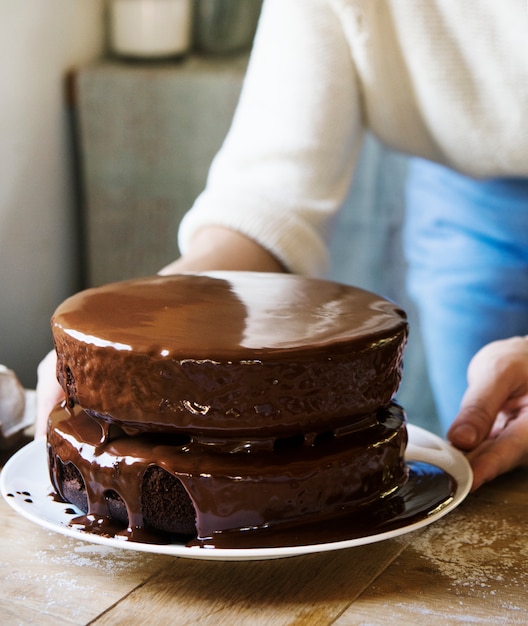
{"x": 150, "y": 29}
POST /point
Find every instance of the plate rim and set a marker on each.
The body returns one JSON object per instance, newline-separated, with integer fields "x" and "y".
{"x": 432, "y": 445}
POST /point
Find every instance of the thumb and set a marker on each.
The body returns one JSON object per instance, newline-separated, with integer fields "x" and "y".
{"x": 478, "y": 412}
{"x": 496, "y": 375}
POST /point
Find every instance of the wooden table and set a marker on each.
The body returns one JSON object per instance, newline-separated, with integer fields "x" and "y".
{"x": 470, "y": 567}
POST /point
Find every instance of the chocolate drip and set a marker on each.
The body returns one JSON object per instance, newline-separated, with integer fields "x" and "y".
{"x": 228, "y": 491}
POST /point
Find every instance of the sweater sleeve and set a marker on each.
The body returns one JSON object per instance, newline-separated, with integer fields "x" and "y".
{"x": 287, "y": 161}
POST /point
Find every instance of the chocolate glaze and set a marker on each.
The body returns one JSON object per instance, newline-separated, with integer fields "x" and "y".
{"x": 426, "y": 490}
{"x": 252, "y": 351}
{"x": 256, "y": 489}
{"x": 214, "y": 404}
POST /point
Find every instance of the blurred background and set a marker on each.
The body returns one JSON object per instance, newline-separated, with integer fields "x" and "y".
{"x": 41, "y": 43}
{"x": 112, "y": 111}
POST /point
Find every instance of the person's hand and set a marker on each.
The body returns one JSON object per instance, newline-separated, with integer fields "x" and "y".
{"x": 49, "y": 392}
{"x": 492, "y": 424}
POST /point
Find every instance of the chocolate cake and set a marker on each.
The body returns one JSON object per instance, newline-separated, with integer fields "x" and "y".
{"x": 204, "y": 407}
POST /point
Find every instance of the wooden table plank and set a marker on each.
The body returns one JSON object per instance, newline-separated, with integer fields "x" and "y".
{"x": 47, "y": 578}
{"x": 308, "y": 590}
{"x": 471, "y": 567}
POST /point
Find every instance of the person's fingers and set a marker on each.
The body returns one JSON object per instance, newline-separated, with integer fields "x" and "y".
{"x": 498, "y": 455}
{"x": 49, "y": 392}
{"x": 497, "y": 377}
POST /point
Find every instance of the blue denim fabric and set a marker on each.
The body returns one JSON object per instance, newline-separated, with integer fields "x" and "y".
{"x": 466, "y": 245}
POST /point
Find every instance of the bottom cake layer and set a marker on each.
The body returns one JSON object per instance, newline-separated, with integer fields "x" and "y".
{"x": 160, "y": 488}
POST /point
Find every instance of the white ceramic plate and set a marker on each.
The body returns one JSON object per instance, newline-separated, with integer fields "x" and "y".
{"x": 25, "y": 484}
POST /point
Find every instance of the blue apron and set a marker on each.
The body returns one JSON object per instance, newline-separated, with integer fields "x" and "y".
{"x": 466, "y": 245}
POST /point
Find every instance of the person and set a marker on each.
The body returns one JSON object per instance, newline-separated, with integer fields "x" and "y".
{"x": 441, "y": 81}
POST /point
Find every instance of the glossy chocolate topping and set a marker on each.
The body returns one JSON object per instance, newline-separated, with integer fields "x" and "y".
{"x": 255, "y": 352}
{"x": 289, "y": 484}
{"x": 210, "y": 405}
{"x": 226, "y": 316}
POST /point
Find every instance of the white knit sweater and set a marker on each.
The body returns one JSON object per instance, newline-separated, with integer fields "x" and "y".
{"x": 443, "y": 79}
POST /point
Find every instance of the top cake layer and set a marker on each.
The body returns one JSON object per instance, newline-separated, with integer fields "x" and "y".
{"x": 242, "y": 350}
{"x": 227, "y": 315}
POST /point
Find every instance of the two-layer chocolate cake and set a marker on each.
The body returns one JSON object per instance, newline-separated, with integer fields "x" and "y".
{"x": 206, "y": 407}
